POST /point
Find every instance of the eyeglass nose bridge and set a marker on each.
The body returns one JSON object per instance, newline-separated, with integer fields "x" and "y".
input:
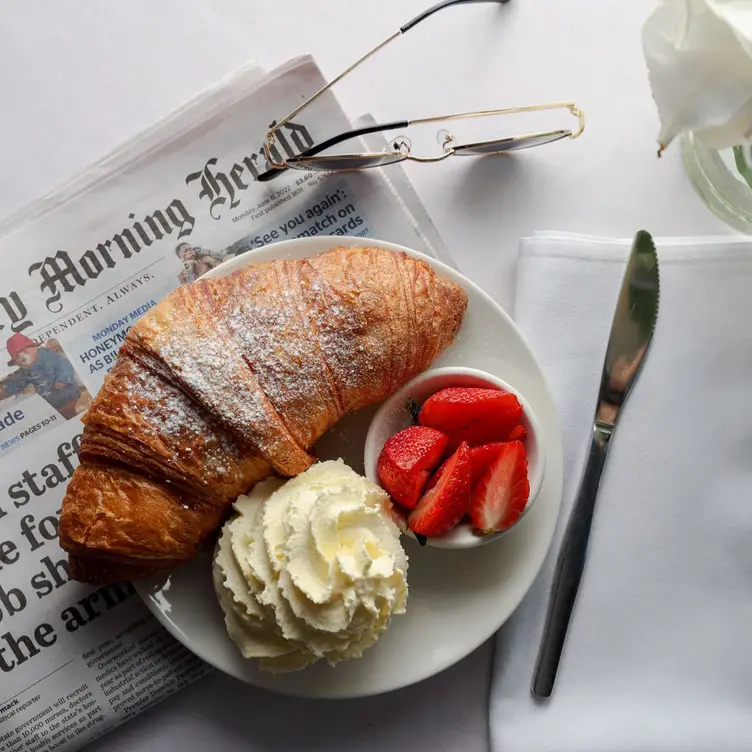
{"x": 437, "y": 158}
{"x": 404, "y": 145}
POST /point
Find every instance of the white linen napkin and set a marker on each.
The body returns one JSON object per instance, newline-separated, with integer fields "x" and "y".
{"x": 658, "y": 655}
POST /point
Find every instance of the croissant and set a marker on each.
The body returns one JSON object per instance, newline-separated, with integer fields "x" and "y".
{"x": 230, "y": 379}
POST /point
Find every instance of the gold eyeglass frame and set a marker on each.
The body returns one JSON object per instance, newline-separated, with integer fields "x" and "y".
{"x": 402, "y": 144}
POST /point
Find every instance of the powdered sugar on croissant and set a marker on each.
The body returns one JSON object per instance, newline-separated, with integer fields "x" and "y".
{"x": 231, "y": 378}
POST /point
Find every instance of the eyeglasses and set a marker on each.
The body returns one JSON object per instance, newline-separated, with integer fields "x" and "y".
{"x": 316, "y": 157}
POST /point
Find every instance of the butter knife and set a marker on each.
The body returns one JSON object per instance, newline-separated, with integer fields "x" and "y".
{"x": 631, "y": 333}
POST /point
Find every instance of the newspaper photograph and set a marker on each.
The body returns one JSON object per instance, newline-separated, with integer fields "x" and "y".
{"x": 80, "y": 267}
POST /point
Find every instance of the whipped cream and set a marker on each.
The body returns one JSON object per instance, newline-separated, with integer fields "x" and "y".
{"x": 310, "y": 568}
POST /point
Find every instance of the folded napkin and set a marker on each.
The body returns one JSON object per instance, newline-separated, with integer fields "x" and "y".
{"x": 658, "y": 655}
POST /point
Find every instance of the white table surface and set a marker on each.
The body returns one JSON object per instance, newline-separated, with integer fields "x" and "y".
{"x": 78, "y": 77}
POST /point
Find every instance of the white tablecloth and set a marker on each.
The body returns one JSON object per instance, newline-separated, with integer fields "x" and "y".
{"x": 79, "y": 77}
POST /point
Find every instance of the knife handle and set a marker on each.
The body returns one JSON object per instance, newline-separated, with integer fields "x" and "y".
{"x": 570, "y": 565}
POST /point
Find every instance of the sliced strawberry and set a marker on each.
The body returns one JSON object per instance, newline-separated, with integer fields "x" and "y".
{"x": 477, "y": 416}
{"x": 434, "y": 479}
{"x": 481, "y": 457}
{"x": 453, "y": 408}
{"x": 519, "y": 433}
{"x": 486, "y": 431}
{"x": 501, "y": 494}
{"x": 441, "y": 508}
{"x": 406, "y": 462}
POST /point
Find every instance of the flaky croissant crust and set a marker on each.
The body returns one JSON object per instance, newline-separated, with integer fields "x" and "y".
{"x": 232, "y": 378}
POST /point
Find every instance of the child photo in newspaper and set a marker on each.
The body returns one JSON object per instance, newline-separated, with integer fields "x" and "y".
{"x": 196, "y": 261}
{"x": 46, "y": 371}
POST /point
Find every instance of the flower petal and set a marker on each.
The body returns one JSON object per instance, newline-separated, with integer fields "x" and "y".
{"x": 699, "y": 56}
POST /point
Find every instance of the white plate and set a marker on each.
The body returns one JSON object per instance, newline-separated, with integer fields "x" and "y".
{"x": 458, "y": 599}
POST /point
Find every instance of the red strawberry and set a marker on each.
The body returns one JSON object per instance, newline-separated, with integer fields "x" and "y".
{"x": 519, "y": 433}
{"x": 406, "y": 462}
{"x": 477, "y": 416}
{"x": 455, "y": 407}
{"x": 434, "y": 479}
{"x": 483, "y": 432}
{"x": 441, "y": 508}
{"x": 480, "y": 458}
{"x": 502, "y": 493}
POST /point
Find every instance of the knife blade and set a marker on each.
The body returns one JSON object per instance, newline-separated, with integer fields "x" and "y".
{"x": 631, "y": 333}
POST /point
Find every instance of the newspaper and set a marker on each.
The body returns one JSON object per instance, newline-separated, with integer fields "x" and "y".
{"x": 79, "y": 267}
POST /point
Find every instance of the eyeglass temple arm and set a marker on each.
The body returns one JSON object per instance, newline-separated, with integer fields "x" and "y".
{"x": 440, "y": 6}
{"x": 403, "y": 29}
{"x": 333, "y": 141}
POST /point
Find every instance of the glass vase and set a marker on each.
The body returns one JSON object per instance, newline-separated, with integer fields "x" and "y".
{"x": 723, "y": 178}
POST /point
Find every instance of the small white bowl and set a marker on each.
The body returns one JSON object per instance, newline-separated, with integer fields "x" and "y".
{"x": 393, "y": 416}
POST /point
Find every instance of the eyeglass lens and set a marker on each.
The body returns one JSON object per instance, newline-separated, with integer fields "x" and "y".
{"x": 501, "y": 145}
{"x": 333, "y": 162}
{"x": 325, "y": 163}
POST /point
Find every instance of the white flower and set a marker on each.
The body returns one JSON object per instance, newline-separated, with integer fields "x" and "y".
{"x": 699, "y": 55}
